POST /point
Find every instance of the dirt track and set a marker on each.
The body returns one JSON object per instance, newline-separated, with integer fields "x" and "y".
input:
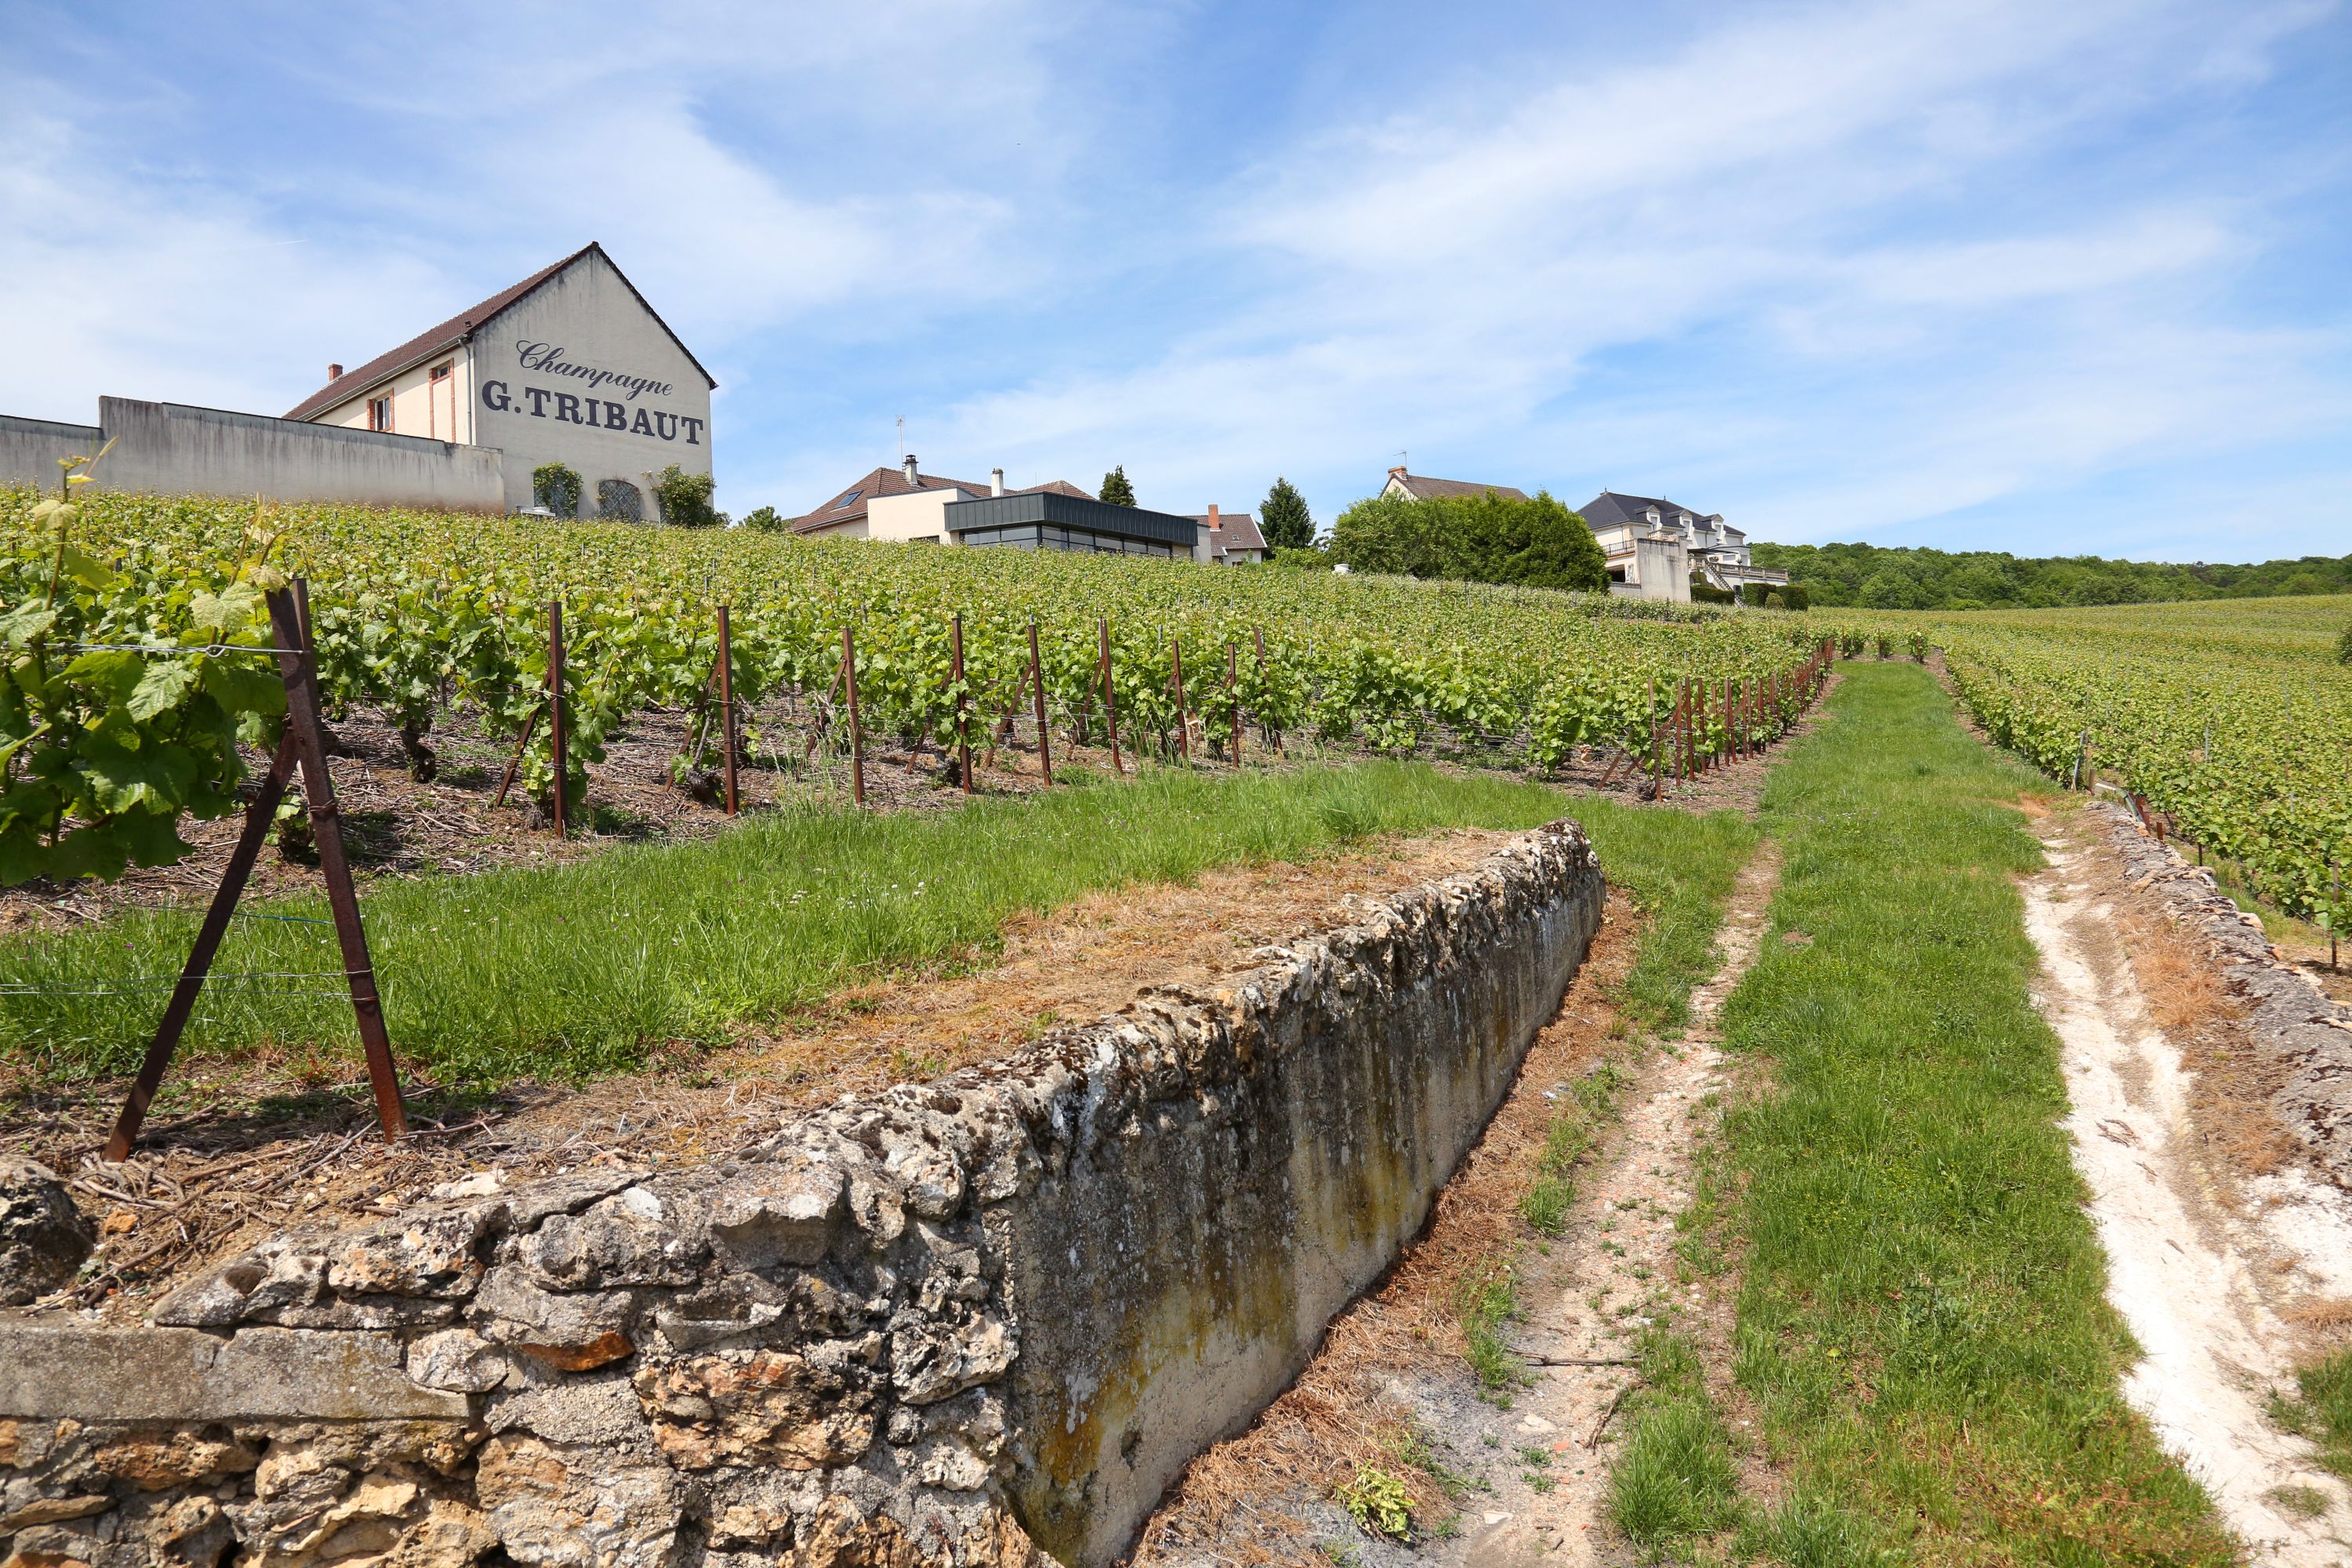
{"x": 2211, "y": 1262}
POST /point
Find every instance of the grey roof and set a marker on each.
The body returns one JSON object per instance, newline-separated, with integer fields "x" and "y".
{"x": 1421, "y": 487}
{"x": 1612, "y": 509}
{"x": 1059, "y": 507}
{"x": 1235, "y": 531}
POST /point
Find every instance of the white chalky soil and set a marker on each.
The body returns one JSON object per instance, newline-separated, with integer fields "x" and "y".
{"x": 2198, "y": 1281}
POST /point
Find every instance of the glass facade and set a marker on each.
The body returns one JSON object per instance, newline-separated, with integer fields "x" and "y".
{"x": 1052, "y": 536}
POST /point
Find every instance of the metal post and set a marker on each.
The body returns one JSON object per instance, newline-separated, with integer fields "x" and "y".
{"x": 1110, "y": 695}
{"x": 530, "y": 726}
{"x": 300, "y": 669}
{"x": 856, "y": 739}
{"x": 1037, "y": 689}
{"x": 727, "y": 703}
{"x": 1232, "y": 687}
{"x": 1184, "y": 723}
{"x": 555, "y": 736}
{"x": 964, "y": 741}
{"x": 258, "y": 816}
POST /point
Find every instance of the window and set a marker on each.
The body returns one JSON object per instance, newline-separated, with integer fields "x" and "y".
{"x": 844, "y": 502}
{"x": 380, "y": 413}
{"x": 441, "y": 402}
{"x": 620, "y": 502}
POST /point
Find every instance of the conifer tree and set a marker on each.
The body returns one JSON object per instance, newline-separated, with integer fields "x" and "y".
{"x": 1284, "y": 519}
{"x": 1115, "y": 489}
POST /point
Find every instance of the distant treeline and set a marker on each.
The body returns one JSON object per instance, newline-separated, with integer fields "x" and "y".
{"x": 1912, "y": 579}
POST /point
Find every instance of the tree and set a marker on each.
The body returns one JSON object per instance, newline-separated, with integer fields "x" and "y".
{"x": 1284, "y": 519}
{"x": 1115, "y": 489}
{"x": 1488, "y": 538}
{"x": 685, "y": 499}
{"x": 766, "y": 521}
{"x": 557, "y": 487}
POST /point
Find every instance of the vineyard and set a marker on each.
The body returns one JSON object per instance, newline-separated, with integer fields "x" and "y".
{"x": 133, "y": 699}
{"x": 2232, "y": 720}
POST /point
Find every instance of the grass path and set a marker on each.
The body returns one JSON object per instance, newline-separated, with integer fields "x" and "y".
{"x": 1922, "y": 1322}
{"x": 573, "y": 971}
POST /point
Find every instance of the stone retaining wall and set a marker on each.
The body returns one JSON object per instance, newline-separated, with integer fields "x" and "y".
{"x": 956, "y": 1323}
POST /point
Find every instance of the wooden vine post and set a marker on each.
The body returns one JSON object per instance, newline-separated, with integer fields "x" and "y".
{"x": 727, "y": 704}
{"x": 555, "y": 736}
{"x": 303, "y": 747}
{"x": 1037, "y": 692}
{"x": 1110, "y": 695}
{"x": 964, "y": 741}
{"x": 856, "y": 739}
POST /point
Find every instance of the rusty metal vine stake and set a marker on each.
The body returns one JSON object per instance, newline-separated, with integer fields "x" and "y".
{"x": 1232, "y": 690}
{"x": 1037, "y": 692}
{"x": 302, "y": 746}
{"x": 1183, "y": 720}
{"x": 856, "y": 739}
{"x": 963, "y": 741}
{"x": 555, "y": 735}
{"x": 727, "y": 704}
{"x": 1110, "y": 695}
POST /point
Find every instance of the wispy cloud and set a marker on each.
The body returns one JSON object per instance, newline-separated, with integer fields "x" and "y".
{"x": 1859, "y": 268}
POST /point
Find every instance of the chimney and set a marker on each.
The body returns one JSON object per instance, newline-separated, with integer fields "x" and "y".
{"x": 910, "y": 469}
{"x": 1213, "y": 523}
{"x": 334, "y": 372}
{"x": 996, "y": 481}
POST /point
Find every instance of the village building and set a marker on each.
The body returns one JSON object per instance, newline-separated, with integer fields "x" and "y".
{"x": 905, "y": 505}
{"x": 1421, "y": 487}
{"x": 570, "y": 366}
{"x": 1717, "y": 551}
{"x": 1232, "y": 538}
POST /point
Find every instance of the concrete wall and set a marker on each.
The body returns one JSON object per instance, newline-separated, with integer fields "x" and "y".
{"x": 948, "y": 1323}
{"x": 30, "y": 449}
{"x": 590, "y": 318}
{"x": 168, "y": 449}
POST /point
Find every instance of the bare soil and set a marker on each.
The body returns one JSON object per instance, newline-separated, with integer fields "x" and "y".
{"x": 276, "y": 1150}
{"x": 2229, "y": 1260}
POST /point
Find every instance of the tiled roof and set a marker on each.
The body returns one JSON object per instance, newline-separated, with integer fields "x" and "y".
{"x": 1235, "y": 531}
{"x": 456, "y": 330}
{"x": 1421, "y": 487}
{"x": 848, "y": 504}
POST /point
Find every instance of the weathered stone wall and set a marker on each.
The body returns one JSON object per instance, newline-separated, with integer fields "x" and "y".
{"x": 2303, "y": 1036}
{"x": 952, "y": 1323}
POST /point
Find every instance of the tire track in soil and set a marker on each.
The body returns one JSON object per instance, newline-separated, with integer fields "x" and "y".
{"x": 1611, "y": 1270}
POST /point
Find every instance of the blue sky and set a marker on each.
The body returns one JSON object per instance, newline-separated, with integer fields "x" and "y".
{"x": 2045, "y": 278}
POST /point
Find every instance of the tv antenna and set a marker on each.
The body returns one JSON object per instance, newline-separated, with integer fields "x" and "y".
{"x": 902, "y": 440}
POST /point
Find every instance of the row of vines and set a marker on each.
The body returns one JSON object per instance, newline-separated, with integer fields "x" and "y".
{"x": 128, "y": 700}
{"x": 2233, "y": 721}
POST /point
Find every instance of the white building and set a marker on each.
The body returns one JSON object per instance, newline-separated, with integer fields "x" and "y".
{"x": 1631, "y": 528}
{"x": 570, "y": 366}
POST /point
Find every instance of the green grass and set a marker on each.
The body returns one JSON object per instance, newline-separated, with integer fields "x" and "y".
{"x": 565, "y": 972}
{"x": 2321, "y": 1410}
{"x": 1678, "y": 869}
{"x": 1922, "y": 1319}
